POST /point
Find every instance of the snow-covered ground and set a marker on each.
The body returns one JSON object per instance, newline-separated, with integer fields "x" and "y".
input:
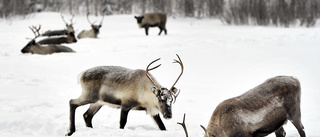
{"x": 220, "y": 61}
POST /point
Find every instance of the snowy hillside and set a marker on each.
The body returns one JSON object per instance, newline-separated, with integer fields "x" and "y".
{"x": 220, "y": 61}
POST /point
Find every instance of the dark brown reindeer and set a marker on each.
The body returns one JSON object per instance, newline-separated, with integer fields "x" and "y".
{"x": 69, "y": 29}
{"x": 126, "y": 89}
{"x": 152, "y": 20}
{"x": 36, "y": 48}
{"x": 259, "y": 111}
{"x": 70, "y": 38}
{"x": 93, "y": 33}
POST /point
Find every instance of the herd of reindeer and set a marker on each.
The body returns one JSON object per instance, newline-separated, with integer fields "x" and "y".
{"x": 258, "y": 112}
{"x": 52, "y": 44}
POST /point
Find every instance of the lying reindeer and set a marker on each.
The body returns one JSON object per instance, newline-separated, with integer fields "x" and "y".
{"x": 126, "y": 89}
{"x": 70, "y": 38}
{"x": 36, "y": 48}
{"x": 259, "y": 111}
{"x": 69, "y": 29}
{"x": 152, "y": 20}
{"x": 93, "y": 33}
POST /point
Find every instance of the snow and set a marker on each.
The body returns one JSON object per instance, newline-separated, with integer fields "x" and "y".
{"x": 220, "y": 62}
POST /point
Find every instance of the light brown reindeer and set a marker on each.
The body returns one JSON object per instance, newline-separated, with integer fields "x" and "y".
{"x": 259, "y": 111}
{"x": 148, "y": 20}
{"x": 126, "y": 89}
{"x": 93, "y": 33}
{"x": 66, "y": 31}
{"x": 36, "y": 48}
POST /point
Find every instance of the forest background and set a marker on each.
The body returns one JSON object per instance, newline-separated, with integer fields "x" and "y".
{"x": 240, "y": 12}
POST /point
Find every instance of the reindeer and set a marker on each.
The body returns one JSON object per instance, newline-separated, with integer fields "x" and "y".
{"x": 152, "y": 20}
{"x": 258, "y": 112}
{"x": 126, "y": 89}
{"x": 70, "y": 38}
{"x": 93, "y": 33}
{"x": 36, "y": 48}
{"x": 69, "y": 29}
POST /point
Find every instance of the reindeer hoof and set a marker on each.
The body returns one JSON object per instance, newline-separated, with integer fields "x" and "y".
{"x": 69, "y": 133}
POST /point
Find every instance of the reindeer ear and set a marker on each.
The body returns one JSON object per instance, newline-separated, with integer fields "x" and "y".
{"x": 174, "y": 90}
{"x": 136, "y": 17}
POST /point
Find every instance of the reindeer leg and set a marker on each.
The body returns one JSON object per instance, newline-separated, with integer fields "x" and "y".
{"x": 124, "y": 116}
{"x": 160, "y": 27}
{"x": 74, "y": 103}
{"x": 295, "y": 119}
{"x": 147, "y": 29}
{"x": 165, "y": 30}
{"x": 297, "y": 123}
{"x": 88, "y": 115}
{"x": 159, "y": 122}
{"x": 280, "y": 132}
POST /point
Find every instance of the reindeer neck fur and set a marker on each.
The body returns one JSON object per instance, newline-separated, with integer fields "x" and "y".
{"x": 120, "y": 86}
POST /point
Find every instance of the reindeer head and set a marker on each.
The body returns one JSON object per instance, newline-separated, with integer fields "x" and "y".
{"x": 94, "y": 27}
{"x": 69, "y": 26}
{"x": 139, "y": 19}
{"x": 32, "y": 44}
{"x": 165, "y": 96}
{"x": 71, "y": 37}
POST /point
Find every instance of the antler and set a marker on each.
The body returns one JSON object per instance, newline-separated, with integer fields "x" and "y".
{"x": 71, "y": 23}
{"x": 63, "y": 19}
{"x": 179, "y": 62}
{"x": 88, "y": 19}
{"x": 147, "y": 72}
{"x": 183, "y": 124}
{"x": 205, "y": 130}
{"x": 72, "y": 19}
{"x": 101, "y": 20}
{"x": 35, "y": 31}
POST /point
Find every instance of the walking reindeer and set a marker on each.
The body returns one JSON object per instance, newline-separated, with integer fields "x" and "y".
{"x": 148, "y": 20}
{"x": 258, "y": 112}
{"x": 126, "y": 89}
{"x": 37, "y": 48}
{"x": 93, "y": 33}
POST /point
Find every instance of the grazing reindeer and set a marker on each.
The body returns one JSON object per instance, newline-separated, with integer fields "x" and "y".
{"x": 70, "y": 38}
{"x": 69, "y": 29}
{"x": 36, "y": 48}
{"x": 152, "y": 20}
{"x": 93, "y": 33}
{"x": 259, "y": 111}
{"x": 126, "y": 89}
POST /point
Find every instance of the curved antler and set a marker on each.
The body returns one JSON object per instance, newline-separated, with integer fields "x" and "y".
{"x": 181, "y": 64}
{"x": 71, "y": 23}
{"x": 88, "y": 18}
{"x": 147, "y": 72}
{"x": 35, "y": 31}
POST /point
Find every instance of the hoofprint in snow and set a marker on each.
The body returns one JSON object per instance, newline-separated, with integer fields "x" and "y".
{"x": 220, "y": 62}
